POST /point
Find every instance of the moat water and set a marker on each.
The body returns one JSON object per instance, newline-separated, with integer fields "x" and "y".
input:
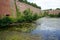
{"x": 48, "y": 28}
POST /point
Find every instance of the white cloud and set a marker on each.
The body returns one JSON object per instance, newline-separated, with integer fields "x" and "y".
{"x": 47, "y": 4}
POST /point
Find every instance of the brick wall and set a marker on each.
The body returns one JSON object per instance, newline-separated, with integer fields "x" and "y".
{"x": 6, "y": 7}
{"x": 51, "y": 11}
{"x": 24, "y": 6}
{"x": 54, "y": 12}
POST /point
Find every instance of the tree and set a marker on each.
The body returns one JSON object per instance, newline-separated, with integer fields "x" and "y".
{"x": 59, "y": 15}
{"x": 57, "y": 8}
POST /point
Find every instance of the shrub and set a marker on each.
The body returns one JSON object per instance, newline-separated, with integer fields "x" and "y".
{"x": 28, "y": 15}
{"x": 58, "y": 15}
{"x": 57, "y": 8}
{"x": 54, "y": 15}
{"x": 51, "y": 15}
{"x": 5, "y": 21}
{"x": 35, "y": 17}
{"x": 21, "y": 19}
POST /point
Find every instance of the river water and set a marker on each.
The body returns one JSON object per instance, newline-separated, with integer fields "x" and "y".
{"x": 48, "y": 28}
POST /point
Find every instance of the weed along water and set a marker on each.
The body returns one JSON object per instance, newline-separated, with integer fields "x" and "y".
{"x": 46, "y": 29}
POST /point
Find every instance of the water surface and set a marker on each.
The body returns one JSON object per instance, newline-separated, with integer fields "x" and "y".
{"x": 49, "y": 28}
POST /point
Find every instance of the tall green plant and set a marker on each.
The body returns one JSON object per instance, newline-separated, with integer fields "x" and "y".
{"x": 28, "y": 15}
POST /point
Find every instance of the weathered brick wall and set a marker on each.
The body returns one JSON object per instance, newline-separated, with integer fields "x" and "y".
{"x": 51, "y": 11}
{"x": 24, "y": 6}
{"x": 7, "y": 7}
{"x": 54, "y": 11}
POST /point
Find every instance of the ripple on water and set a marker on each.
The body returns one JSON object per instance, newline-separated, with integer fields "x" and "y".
{"x": 49, "y": 28}
{"x": 48, "y": 24}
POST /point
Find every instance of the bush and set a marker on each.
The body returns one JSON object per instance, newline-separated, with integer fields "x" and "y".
{"x": 21, "y": 19}
{"x": 54, "y": 15}
{"x": 5, "y": 21}
{"x": 51, "y": 15}
{"x": 35, "y": 17}
{"x": 58, "y": 15}
{"x": 28, "y": 15}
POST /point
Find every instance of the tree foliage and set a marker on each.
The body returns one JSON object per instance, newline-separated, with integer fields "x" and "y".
{"x": 57, "y": 8}
{"x": 32, "y": 4}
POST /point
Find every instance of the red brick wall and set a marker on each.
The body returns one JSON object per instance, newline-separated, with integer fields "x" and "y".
{"x": 51, "y": 11}
{"x": 54, "y": 12}
{"x": 5, "y": 7}
{"x": 8, "y": 7}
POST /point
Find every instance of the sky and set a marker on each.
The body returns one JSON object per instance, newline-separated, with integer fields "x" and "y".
{"x": 47, "y": 4}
